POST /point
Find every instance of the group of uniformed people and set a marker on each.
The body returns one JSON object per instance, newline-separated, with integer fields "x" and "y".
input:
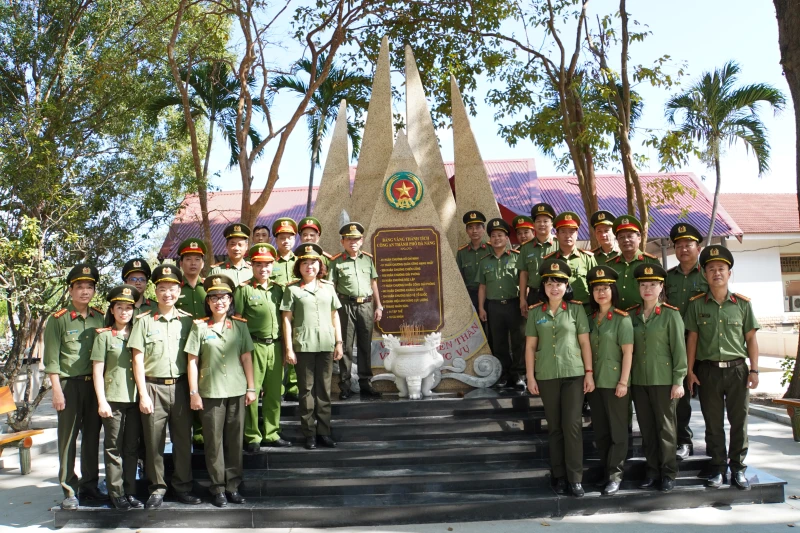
{"x": 611, "y": 327}
{"x": 197, "y": 359}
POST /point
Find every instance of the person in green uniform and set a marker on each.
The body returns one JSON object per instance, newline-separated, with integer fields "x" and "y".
{"x": 532, "y": 252}
{"x": 498, "y": 293}
{"x": 192, "y": 254}
{"x": 684, "y": 281}
{"x": 470, "y": 254}
{"x": 603, "y": 224}
{"x": 159, "y": 368}
{"x": 258, "y": 301}
{"x": 237, "y": 239}
{"x": 285, "y": 232}
{"x": 579, "y": 261}
{"x": 558, "y": 361}
{"x": 310, "y": 230}
{"x": 68, "y": 339}
{"x": 137, "y": 272}
{"x": 314, "y": 341}
{"x": 355, "y": 279}
{"x": 220, "y": 370}
{"x": 659, "y": 367}
{"x": 612, "y": 352}
{"x": 260, "y": 234}
{"x": 628, "y": 231}
{"x": 112, "y": 369}
{"x": 523, "y": 227}
{"x": 722, "y": 336}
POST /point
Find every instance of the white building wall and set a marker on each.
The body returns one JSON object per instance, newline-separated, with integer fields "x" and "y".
{"x": 757, "y": 273}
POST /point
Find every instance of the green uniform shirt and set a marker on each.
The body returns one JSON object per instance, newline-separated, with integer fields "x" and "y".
{"x": 720, "y": 327}
{"x": 283, "y": 270}
{"x": 219, "y": 348}
{"x": 352, "y": 276}
{"x": 68, "y": 340}
{"x": 530, "y": 258}
{"x": 680, "y": 287}
{"x": 238, "y": 275}
{"x": 602, "y": 258}
{"x": 627, "y": 286}
{"x": 147, "y": 305}
{"x": 161, "y": 341}
{"x": 499, "y": 274}
{"x": 312, "y": 327}
{"x": 112, "y": 350}
{"x": 580, "y": 261}
{"x": 467, "y": 260}
{"x": 558, "y": 352}
{"x": 609, "y": 333}
{"x": 260, "y": 306}
{"x": 192, "y": 300}
{"x": 659, "y": 347}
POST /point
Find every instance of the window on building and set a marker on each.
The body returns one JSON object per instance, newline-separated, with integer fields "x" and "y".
{"x": 790, "y": 274}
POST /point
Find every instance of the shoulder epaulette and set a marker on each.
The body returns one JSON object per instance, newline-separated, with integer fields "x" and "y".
{"x": 651, "y": 256}
{"x": 463, "y": 247}
{"x": 576, "y": 302}
{"x": 181, "y": 312}
{"x": 60, "y": 313}
{"x": 201, "y": 320}
{"x": 515, "y": 250}
{"x": 485, "y": 256}
{"x": 367, "y": 254}
{"x": 631, "y": 308}
{"x": 218, "y": 264}
{"x": 293, "y": 282}
{"x": 140, "y": 315}
{"x": 550, "y": 255}
{"x": 587, "y": 252}
{"x": 240, "y": 319}
{"x": 597, "y": 250}
{"x": 101, "y": 330}
{"x": 98, "y": 310}
{"x": 743, "y": 297}
{"x": 535, "y": 305}
{"x": 245, "y": 282}
{"x": 327, "y": 282}
{"x": 327, "y": 255}
{"x": 693, "y": 298}
{"x": 620, "y": 312}
{"x": 337, "y": 256}
{"x": 670, "y": 306}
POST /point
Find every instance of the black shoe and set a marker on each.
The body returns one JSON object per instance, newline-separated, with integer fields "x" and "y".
{"x": 280, "y": 443}
{"x": 235, "y": 497}
{"x": 667, "y": 484}
{"x": 154, "y": 501}
{"x": 219, "y": 500}
{"x": 587, "y": 409}
{"x": 648, "y": 483}
{"x": 344, "y": 394}
{"x": 576, "y": 489}
{"x": 188, "y": 498}
{"x": 561, "y": 486}
{"x": 135, "y": 504}
{"x": 92, "y": 494}
{"x": 70, "y": 503}
{"x": 714, "y": 481}
{"x": 326, "y": 441}
{"x": 368, "y": 392}
{"x": 739, "y": 480}
{"x": 684, "y": 451}
{"x": 120, "y": 503}
{"x": 521, "y": 384}
{"x": 501, "y": 383}
{"x": 311, "y": 443}
{"x": 611, "y": 488}
{"x": 290, "y": 397}
{"x": 252, "y": 447}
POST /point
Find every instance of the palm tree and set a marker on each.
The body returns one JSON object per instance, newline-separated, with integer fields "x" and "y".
{"x": 715, "y": 112}
{"x": 341, "y": 84}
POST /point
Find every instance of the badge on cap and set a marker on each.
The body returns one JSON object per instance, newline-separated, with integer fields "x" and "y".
{"x": 714, "y": 252}
{"x": 166, "y": 271}
{"x": 600, "y": 273}
{"x": 540, "y": 209}
{"x": 237, "y": 228}
{"x": 555, "y": 266}
{"x": 567, "y": 217}
{"x": 193, "y": 245}
{"x": 137, "y": 264}
{"x": 473, "y": 215}
{"x": 262, "y": 250}
{"x": 87, "y": 270}
{"x": 623, "y": 221}
{"x": 309, "y": 249}
{"x": 352, "y": 227}
{"x": 681, "y": 229}
{"x": 601, "y": 216}
{"x": 126, "y": 291}
{"x": 284, "y": 223}
{"x": 496, "y": 222}
{"x": 648, "y": 271}
{"x": 216, "y": 281}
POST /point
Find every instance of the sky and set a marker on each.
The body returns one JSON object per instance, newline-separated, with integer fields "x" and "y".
{"x": 702, "y": 33}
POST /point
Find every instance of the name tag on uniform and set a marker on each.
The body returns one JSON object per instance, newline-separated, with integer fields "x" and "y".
{"x": 154, "y": 332}
{"x": 181, "y": 296}
{"x": 210, "y": 337}
{"x": 72, "y": 332}
{"x": 541, "y": 321}
{"x": 705, "y": 315}
{"x": 256, "y": 297}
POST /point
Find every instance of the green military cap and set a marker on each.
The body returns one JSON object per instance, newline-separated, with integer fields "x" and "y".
{"x": 627, "y": 223}
{"x": 602, "y": 217}
{"x": 192, "y": 245}
{"x": 352, "y": 230}
{"x": 284, "y": 225}
{"x": 136, "y": 265}
{"x": 310, "y": 222}
{"x": 473, "y": 217}
{"x": 684, "y": 230}
{"x": 542, "y": 209}
{"x": 555, "y": 268}
{"x": 264, "y": 252}
{"x": 166, "y": 273}
{"x": 716, "y": 252}
{"x": 218, "y": 283}
{"x": 602, "y": 274}
{"x": 499, "y": 223}
{"x": 567, "y": 219}
{"x": 83, "y": 272}
{"x": 308, "y": 250}
{"x": 522, "y": 221}
{"x": 649, "y": 272}
{"x": 236, "y": 230}
{"x": 123, "y": 293}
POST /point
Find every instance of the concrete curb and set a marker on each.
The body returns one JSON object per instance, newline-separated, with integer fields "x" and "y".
{"x": 775, "y": 414}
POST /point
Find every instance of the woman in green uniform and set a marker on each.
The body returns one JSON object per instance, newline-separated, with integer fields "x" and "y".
{"x": 220, "y": 392}
{"x": 112, "y": 369}
{"x": 313, "y": 341}
{"x": 659, "y": 366}
{"x": 612, "y": 351}
{"x": 558, "y": 360}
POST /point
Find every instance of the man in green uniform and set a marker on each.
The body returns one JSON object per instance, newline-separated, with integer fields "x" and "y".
{"x": 470, "y": 254}
{"x": 722, "y": 335}
{"x": 628, "y": 231}
{"x": 603, "y": 224}
{"x": 524, "y": 228}
{"x": 310, "y": 231}
{"x": 532, "y": 252}
{"x": 355, "y": 279}
{"x": 236, "y": 243}
{"x": 159, "y": 368}
{"x": 68, "y": 339}
{"x": 258, "y": 301}
{"x": 579, "y": 261}
{"x": 685, "y": 281}
{"x": 498, "y": 294}
{"x": 285, "y": 232}
{"x": 260, "y": 234}
{"x": 137, "y": 272}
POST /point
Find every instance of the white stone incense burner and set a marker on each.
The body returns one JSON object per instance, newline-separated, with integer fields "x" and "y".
{"x": 413, "y": 365}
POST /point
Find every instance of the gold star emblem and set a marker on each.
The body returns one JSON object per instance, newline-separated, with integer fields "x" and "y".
{"x": 648, "y": 271}
{"x": 309, "y": 249}
{"x": 567, "y": 217}
{"x": 555, "y": 266}
{"x": 87, "y": 270}
{"x": 216, "y": 281}
{"x": 473, "y": 215}
{"x": 262, "y": 250}
{"x": 540, "y": 208}
{"x": 193, "y": 245}
{"x": 600, "y": 273}
{"x": 126, "y": 291}
{"x": 404, "y": 190}
{"x": 237, "y": 228}
{"x": 681, "y": 229}
{"x": 284, "y": 222}
{"x": 714, "y": 252}
{"x": 167, "y": 271}
{"x": 601, "y": 216}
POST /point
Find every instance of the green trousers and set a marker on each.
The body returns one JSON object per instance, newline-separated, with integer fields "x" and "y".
{"x": 223, "y": 420}
{"x": 314, "y": 371}
{"x": 655, "y": 412}
{"x": 508, "y": 335}
{"x": 289, "y": 384}
{"x": 123, "y": 429}
{"x": 562, "y": 399}
{"x": 267, "y": 376}
{"x": 197, "y": 427}
{"x": 725, "y": 390}
{"x": 79, "y": 415}
{"x": 357, "y": 322}
{"x": 610, "y": 426}
{"x": 170, "y": 409}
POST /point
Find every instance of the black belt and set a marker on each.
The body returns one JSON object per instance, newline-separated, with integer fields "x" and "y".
{"x": 164, "y": 381}
{"x": 87, "y": 377}
{"x": 263, "y": 341}
{"x": 356, "y": 299}
{"x": 724, "y": 364}
{"x": 503, "y": 302}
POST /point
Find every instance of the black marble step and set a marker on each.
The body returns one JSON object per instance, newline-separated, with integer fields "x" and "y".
{"x": 426, "y": 507}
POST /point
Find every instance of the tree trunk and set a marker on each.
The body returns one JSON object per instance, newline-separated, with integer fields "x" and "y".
{"x": 202, "y": 194}
{"x": 716, "y": 200}
{"x": 314, "y": 155}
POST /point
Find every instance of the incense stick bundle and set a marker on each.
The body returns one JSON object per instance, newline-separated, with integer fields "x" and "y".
{"x": 411, "y": 335}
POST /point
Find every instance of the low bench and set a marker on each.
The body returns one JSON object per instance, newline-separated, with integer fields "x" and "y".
{"x": 793, "y": 410}
{"x": 23, "y": 440}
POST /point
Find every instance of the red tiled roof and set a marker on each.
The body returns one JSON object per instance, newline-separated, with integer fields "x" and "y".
{"x": 763, "y": 213}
